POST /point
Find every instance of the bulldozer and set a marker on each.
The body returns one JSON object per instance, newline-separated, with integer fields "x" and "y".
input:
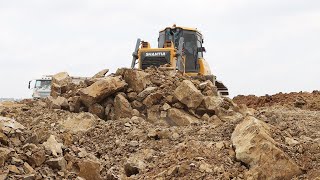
{"x": 181, "y": 48}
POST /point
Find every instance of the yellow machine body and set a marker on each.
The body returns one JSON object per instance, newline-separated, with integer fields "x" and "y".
{"x": 181, "y": 48}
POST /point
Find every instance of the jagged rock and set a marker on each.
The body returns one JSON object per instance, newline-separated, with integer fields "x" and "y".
{"x": 166, "y": 106}
{"x": 215, "y": 120}
{"x": 101, "y": 74}
{"x": 132, "y": 96}
{"x": 37, "y": 158}
{"x": 98, "y": 110}
{"x": 29, "y": 177}
{"x": 57, "y": 163}
{"x": 14, "y": 169}
{"x": 89, "y": 169}
{"x": 291, "y": 141}
{"x": 255, "y": 147}
{"x": 122, "y": 107}
{"x": 137, "y": 105}
{"x": 137, "y": 80}
{"x": 74, "y": 104}
{"x": 179, "y": 117}
{"x": 142, "y": 95}
{"x": 152, "y": 99}
{"x": 16, "y": 161}
{"x": 58, "y": 103}
{"x": 4, "y": 155}
{"x": 153, "y": 113}
{"x": 188, "y": 94}
{"x": 79, "y": 122}
{"x": 27, "y": 168}
{"x": 6, "y": 124}
{"x": 101, "y": 89}
{"x": 59, "y": 83}
{"x": 3, "y": 139}
{"x": 53, "y": 146}
{"x": 212, "y": 102}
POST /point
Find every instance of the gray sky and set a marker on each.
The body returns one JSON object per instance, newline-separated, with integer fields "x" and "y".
{"x": 253, "y": 46}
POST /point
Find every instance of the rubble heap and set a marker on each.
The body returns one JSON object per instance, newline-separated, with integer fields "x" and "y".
{"x": 152, "y": 94}
{"x": 134, "y": 124}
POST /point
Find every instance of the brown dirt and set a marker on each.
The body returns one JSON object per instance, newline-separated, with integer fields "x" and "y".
{"x": 294, "y": 116}
{"x": 304, "y": 100}
{"x": 138, "y": 147}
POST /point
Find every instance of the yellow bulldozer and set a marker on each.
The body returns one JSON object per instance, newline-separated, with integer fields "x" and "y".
{"x": 182, "y": 49}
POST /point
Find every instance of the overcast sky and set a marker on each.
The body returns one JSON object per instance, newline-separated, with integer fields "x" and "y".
{"x": 253, "y": 46}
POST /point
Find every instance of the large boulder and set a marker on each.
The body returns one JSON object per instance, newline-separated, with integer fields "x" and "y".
{"x": 98, "y": 110}
{"x": 152, "y": 99}
{"x": 101, "y": 73}
{"x": 188, "y": 94}
{"x": 177, "y": 117}
{"x": 142, "y": 95}
{"x": 58, "y": 103}
{"x": 89, "y": 169}
{"x": 137, "y": 80}
{"x": 255, "y": 147}
{"x": 59, "y": 83}
{"x": 79, "y": 122}
{"x": 122, "y": 107}
{"x": 101, "y": 89}
{"x": 212, "y": 102}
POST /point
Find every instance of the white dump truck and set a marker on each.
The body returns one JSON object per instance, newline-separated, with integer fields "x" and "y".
{"x": 41, "y": 87}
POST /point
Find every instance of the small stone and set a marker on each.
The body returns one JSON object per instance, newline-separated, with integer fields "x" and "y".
{"x": 163, "y": 114}
{"x": 134, "y": 143}
{"x": 175, "y": 136}
{"x": 53, "y": 146}
{"x": 220, "y": 145}
{"x": 127, "y": 125}
{"x": 27, "y": 168}
{"x": 29, "y": 177}
{"x": 57, "y": 163}
{"x": 291, "y": 141}
{"x": 89, "y": 170}
{"x": 205, "y": 117}
{"x": 4, "y": 155}
{"x": 204, "y": 167}
{"x": 166, "y": 106}
{"x": 61, "y": 173}
{"x": 16, "y": 161}
{"x": 14, "y": 169}
{"x": 37, "y": 158}
{"x": 135, "y": 112}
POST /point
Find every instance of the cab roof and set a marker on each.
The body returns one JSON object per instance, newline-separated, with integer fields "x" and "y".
{"x": 184, "y": 28}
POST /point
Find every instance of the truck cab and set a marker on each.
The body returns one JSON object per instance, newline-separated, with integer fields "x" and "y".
{"x": 41, "y": 87}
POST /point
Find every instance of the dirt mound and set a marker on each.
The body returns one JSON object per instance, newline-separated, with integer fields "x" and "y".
{"x": 152, "y": 124}
{"x": 302, "y": 100}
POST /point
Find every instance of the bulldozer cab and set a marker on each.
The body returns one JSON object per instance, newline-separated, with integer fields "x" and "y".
{"x": 192, "y": 46}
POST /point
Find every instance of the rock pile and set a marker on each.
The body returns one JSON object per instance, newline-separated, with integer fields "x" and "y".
{"x": 152, "y": 94}
{"x": 152, "y": 124}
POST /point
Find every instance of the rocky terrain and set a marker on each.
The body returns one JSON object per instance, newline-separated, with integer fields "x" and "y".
{"x": 155, "y": 124}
